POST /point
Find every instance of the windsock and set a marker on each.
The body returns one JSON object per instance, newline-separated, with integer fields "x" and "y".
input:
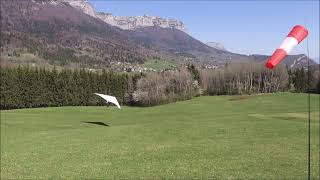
{"x": 296, "y": 35}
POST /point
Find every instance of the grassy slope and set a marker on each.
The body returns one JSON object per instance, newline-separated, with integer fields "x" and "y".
{"x": 207, "y": 137}
{"x": 159, "y": 64}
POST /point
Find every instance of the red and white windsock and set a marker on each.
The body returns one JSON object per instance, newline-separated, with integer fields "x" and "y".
{"x": 296, "y": 35}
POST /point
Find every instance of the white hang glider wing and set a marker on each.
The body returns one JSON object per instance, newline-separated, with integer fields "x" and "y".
{"x": 109, "y": 99}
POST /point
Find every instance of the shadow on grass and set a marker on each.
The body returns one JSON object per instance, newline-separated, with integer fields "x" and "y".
{"x": 95, "y": 122}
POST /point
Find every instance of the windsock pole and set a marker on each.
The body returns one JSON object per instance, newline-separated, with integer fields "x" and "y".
{"x": 309, "y": 114}
{"x": 296, "y": 35}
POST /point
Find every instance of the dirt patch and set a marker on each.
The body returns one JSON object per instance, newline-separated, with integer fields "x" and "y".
{"x": 238, "y": 98}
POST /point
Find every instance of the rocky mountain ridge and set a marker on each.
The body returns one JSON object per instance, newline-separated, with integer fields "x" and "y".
{"x": 134, "y": 22}
{"x": 216, "y": 45}
{"x": 123, "y": 22}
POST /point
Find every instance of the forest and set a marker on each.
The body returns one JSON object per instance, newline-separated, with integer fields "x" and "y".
{"x": 26, "y": 87}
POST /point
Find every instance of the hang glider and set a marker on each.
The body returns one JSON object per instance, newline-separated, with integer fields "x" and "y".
{"x": 110, "y": 99}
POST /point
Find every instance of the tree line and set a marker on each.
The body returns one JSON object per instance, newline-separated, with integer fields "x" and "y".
{"x": 251, "y": 78}
{"x": 25, "y": 87}
{"x": 165, "y": 87}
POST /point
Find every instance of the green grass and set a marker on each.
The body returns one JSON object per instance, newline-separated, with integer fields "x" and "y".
{"x": 222, "y": 137}
{"x": 159, "y": 64}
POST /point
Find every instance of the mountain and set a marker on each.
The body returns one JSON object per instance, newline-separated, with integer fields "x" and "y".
{"x": 292, "y": 61}
{"x": 72, "y": 34}
{"x": 216, "y": 45}
{"x": 124, "y": 22}
{"x": 134, "y": 22}
{"x": 59, "y": 34}
{"x": 82, "y": 5}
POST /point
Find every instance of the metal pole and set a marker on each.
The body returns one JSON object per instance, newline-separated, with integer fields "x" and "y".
{"x": 309, "y": 129}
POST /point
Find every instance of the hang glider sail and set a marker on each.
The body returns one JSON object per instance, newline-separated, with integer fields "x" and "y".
{"x": 110, "y": 99}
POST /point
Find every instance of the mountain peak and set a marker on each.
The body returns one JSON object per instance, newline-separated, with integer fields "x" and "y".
{"x": 216, "y": 45}
{"x": 82, "y": 5}
{"x": 124, "y": 22}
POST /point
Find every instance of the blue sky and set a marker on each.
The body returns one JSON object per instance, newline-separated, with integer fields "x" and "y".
{"x": 254, "y": 27}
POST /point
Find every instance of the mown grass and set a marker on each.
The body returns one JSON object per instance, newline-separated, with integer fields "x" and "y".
{"x": 222, "y": 137}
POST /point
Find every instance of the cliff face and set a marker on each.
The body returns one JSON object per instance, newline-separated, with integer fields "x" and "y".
{"x": 124, "y": 22}
{"x": 82, "y": 5}
{"x": 134, "y": 22}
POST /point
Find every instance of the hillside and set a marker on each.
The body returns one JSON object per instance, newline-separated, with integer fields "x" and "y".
{"x": 62, "y": 35}
{"x": 71, "y": 34}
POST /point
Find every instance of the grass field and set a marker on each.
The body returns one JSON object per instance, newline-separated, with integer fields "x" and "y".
{"x": 222, "y": 137}
{"x": 159, "y": 64}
